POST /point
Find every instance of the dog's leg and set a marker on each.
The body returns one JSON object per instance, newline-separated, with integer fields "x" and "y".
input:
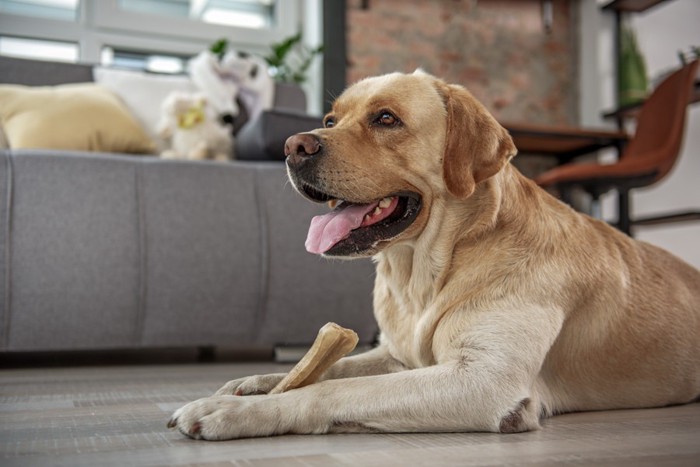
{"x": 377, "y": 361}
{"x": 487, "y": 385}
{"x": 488, "y": 382}
{"x": 374, "y": 362}
{"x": 438, "y": 398}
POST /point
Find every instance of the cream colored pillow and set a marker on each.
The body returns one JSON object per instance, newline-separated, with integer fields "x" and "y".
{"x": 84, "y": 117}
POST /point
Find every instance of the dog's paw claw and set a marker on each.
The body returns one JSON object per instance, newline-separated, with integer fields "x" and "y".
{"x": 172, "y": 423}
{"x": 195, "y": 429}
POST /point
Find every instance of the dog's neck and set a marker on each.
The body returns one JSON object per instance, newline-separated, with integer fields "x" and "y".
{"x": 412, "y": 274}
{"x": 418, "y": 268}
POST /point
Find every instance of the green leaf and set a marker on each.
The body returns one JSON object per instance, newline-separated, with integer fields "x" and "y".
{"x": 219, "y": 48}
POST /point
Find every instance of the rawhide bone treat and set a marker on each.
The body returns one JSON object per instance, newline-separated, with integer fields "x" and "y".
{"x": 332, "y": 343}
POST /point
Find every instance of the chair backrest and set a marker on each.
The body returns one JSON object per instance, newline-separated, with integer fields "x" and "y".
{"x": 661, "y": 123}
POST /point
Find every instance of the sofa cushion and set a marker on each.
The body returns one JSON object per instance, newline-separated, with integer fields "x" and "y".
{"x": 74, "y": 264}
{"x": 83, "y": 116}
{"x": 204, "y": 253}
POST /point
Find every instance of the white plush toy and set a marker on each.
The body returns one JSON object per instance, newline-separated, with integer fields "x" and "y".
{"x": 191, "y": 126}
{"x": 235, "y": 75}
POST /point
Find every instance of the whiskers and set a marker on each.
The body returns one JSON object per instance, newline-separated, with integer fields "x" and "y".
{"x": 357, "y": 178}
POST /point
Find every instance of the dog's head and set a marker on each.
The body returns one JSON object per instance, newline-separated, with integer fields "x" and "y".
{"x": 390, "y": 147}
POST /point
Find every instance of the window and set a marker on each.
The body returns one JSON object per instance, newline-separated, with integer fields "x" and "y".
{"x": 156, "y": 63}
{"x": 255, "y": 14}
{"x": 250, "y": 25}
{"x": 180, "y": 28}
{"x": 155, "y": 35}
{"x": 55, "y": 9}
{"x": 34, "y": 48}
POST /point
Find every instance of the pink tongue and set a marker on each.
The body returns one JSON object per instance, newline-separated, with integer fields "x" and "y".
{"x": 328, "y": 229}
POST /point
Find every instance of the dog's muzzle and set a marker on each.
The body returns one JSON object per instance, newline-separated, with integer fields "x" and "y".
{"x": 355, "y": 227}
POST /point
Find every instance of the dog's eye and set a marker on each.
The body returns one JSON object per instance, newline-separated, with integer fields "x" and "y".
{"x": 386, "y": 119}
{"x": 329, "y": 122}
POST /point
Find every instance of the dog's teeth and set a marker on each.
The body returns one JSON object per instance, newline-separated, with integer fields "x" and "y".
{"x": 385, "y": 203}
{"x": 377, "y": 210}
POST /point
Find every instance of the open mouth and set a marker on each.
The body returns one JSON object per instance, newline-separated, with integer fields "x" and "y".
{"x": 355, "y": 228}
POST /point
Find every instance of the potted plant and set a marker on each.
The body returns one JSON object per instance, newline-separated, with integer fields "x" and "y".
{"x": 633, "y": 83}
{"x": 289, "y": 60}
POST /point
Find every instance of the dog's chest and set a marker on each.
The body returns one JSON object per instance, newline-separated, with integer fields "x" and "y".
{"x": 406, "y": 324}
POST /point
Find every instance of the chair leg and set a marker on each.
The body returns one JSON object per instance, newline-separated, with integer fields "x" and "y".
{"x": 623, "y": 212}
{"x": 596, "y": 208}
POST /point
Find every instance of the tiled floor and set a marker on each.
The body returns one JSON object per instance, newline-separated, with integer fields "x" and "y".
{"x": 116, "y": 415}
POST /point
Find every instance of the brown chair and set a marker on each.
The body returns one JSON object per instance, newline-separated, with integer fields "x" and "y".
{"x": 648, "y": 157}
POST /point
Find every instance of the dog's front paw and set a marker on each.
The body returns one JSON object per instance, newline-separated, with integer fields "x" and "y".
{"x": 231, "y": 417}
{"x": 253, "y": 385}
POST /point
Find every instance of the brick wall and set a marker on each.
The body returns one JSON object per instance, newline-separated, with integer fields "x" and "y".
{"x": 498, "y": 49}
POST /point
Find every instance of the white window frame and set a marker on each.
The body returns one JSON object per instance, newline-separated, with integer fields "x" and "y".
{"x": 101, "y": 23}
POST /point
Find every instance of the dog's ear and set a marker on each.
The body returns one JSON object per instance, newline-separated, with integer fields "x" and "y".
{"x": 476, "y": 145}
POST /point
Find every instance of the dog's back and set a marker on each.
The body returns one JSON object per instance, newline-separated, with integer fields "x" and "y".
{"x": 632, "y": 333}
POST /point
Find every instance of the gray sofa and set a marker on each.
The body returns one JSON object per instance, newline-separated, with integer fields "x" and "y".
{"x": 109, "y": 251}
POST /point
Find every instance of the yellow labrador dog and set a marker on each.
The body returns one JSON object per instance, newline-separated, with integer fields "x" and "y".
{"x": 498, "y": 305}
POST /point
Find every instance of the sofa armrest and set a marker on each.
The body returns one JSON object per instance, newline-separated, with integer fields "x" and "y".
{"x": 263, "y": 138}
{"x": 5, "y": 196}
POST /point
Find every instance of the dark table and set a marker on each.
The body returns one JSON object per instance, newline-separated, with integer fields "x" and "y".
{"x": 564, "y": 143}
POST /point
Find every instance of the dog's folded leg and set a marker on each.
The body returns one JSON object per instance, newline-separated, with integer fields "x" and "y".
{"x": 251, "y": 385}
{"x": 377, "y": 361}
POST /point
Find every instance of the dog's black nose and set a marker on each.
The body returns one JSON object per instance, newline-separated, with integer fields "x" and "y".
{"x": 301, "y": 145}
